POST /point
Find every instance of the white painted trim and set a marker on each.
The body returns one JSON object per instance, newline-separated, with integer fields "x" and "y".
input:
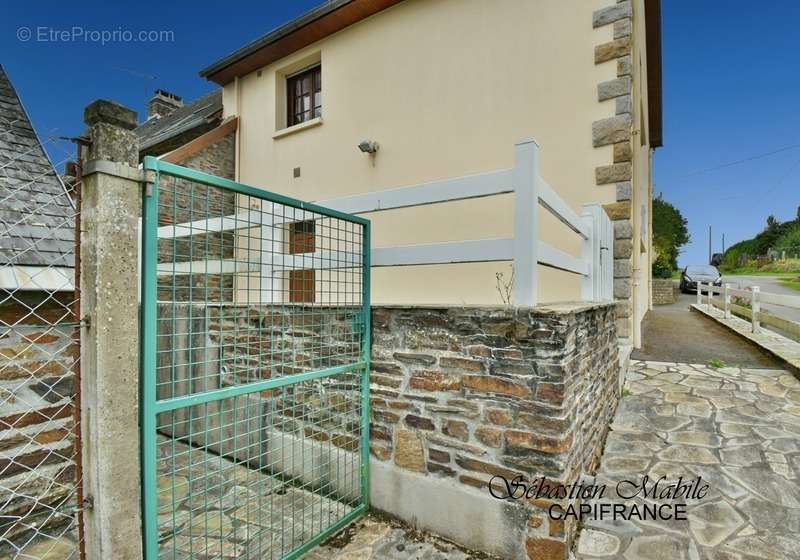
{"x": 206, "y": 267}
{"x": 319, "y": 260}
{"x": 590, "y": 249}
{"x": 779, "y": 299}
{"x": 607, "y": 257}
{"x": 37, "y": 278}
{"x": 242, "y": 220}
{"x": 297, "y": 128}
{"x": 526, "y": 223}
{"x": 448, "y": 190}
{"x": 272, "y": 237}
{"x": 556, "y": 258}
{"x": 479, "y": 250}
{"x": 560, "y": 209}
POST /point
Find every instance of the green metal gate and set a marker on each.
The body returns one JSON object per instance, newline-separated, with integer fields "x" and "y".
{"x": 255, "y": 369}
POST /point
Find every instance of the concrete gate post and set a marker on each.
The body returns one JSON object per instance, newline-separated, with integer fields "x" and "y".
{"x": 110, "y": 352}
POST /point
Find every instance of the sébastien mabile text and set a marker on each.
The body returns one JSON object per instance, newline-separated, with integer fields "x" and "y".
{"x": 661, "y": 499}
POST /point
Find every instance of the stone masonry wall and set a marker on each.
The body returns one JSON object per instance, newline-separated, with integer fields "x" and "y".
{"x": 664, "y": 291}
{"x": 616, "y": 131}
{"x": 467, "y": 393}
{"x": 458, "y": 394}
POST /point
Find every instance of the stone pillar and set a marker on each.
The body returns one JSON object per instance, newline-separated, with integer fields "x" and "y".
{"x": 110, "y": 352}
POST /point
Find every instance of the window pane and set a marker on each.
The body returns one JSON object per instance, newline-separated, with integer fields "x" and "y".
{"x": 304, "y": 97}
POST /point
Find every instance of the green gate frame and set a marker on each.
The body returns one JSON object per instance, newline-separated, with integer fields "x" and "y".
{"x": 150, "y": 406}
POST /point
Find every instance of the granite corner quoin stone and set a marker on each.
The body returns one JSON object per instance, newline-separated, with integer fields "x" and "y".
{"x": 622, "y": 154}
{"x": 611, "y": 50}
{"x": 611, "y": 14}
{"x": 614, "y": 173}
{"x": 611, "y": 130}
{"x": 614, "y": 88}
{"x": 624, "y": 191}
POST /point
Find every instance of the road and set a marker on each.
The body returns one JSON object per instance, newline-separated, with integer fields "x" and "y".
{"x": 768, "y": 284}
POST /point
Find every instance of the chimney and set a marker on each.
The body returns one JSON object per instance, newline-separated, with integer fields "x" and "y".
{"x": 163, "y": 103}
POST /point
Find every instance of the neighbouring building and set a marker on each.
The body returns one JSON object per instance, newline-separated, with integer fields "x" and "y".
{"x": 37, "y": 326}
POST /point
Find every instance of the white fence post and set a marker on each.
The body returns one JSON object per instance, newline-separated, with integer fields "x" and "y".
{"x": 710, "y": 295}
{"x": 727, "y": 301}
{"x": 756, "y": 309}
{"x": 526, "y": 222}
{"x": 607, "y": 258}
{"x": 699, "y": 292}
{"x": 271, "y": 277}
{"x": 594, "y": 287}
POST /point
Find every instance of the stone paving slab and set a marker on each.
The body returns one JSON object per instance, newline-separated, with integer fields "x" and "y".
{"x": 374, "y": 537}
{"x": 212, "y": 507}
{"x": 738, "y": 429}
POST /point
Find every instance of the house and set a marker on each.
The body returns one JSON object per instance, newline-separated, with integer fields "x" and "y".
{"x": 420, "y": 115}
{"x": 171, "y": 124}
{"x": 37, "y": 325}
{"x": 445, "y": 88}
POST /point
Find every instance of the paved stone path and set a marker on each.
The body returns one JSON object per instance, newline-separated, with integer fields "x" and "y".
{"x": 211, "y": 507}
{"x": 377, "y": 538}
{"x": 738, "y": 429}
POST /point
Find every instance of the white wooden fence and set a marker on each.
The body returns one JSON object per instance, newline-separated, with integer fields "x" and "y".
{"x": 594, "y": 264}
{"x": 753, "y": 298}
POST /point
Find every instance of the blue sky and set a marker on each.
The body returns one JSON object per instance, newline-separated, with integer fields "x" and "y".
{"x": 731, "y": 88}
{"x": 731, "y": 92}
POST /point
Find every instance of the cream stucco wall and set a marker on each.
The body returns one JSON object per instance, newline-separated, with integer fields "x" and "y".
{"x": 642, "y": 179}
{"x": 446, "y": 87}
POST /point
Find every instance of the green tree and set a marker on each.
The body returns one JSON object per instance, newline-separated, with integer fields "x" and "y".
{"x": 670, "y": 233}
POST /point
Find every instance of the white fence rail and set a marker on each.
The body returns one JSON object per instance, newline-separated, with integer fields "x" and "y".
{"x": 750, "y": 306}
{"x": 594, "y": 264}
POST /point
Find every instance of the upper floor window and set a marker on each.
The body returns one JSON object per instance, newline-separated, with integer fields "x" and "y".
{"x": 304, "y": 93}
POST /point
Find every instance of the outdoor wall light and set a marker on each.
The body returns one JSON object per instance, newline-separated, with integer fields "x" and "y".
{"x": 368, "y": 146}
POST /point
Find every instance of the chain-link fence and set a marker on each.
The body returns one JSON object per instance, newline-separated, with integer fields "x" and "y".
{"x": 40, "y": 489}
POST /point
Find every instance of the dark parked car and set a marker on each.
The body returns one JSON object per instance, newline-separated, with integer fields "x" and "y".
{"x": 699, "y": 273}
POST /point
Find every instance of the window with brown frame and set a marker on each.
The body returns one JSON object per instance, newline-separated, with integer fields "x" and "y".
{"x": 301, "y": 237}
{"x": 304, "y": 96}
{"x": 302, "y": 283}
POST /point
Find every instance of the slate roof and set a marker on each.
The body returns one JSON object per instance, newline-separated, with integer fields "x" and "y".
{"x": 36, "y": 214}
{"x": 197, "y": 113}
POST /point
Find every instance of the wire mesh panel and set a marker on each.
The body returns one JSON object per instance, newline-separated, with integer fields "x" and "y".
{"x": 255, "y": 363}
{"x": 40, "y": 489}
